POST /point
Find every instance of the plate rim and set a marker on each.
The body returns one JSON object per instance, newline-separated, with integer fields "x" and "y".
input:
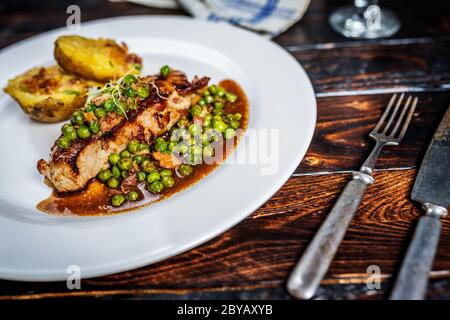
{"x": 143, "y": 260}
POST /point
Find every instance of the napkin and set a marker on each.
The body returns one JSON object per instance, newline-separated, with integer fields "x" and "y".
{"x": 267, "y": 17}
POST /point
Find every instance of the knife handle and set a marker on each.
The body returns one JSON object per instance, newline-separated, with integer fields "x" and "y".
{"x": 412, "y": 280}
{"x": 310, "y": 270}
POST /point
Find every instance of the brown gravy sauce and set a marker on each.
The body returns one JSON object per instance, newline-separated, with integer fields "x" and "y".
{"x": 94, "y": 200}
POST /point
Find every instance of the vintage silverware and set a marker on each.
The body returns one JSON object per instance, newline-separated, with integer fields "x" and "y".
{"x": 314, "y": 263}
{"x": 432, "y": 189}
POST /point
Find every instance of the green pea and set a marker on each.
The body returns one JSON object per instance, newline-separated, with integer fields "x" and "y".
{"x": 133, "y": 146}
{"x": 71, "y": 135}
{"x": 206, "y": 123}
{"x": 83, "y": 132}
{"x": 125, "y": 163}
{"x": 153, "y": 176}
{"x": 183, "y": 122}
{"x": 165, "y": 173}
{"x": 116, "y": 172}
{"x": 77, "y": 117}
{"x": 129, "y": 92}
{"x": 142, "y": 92}
{"x": 185, "y": 170}
{"x": 64, "y": 142}
{"x": 205, "y": 139}
{"x": 196, "y": 110}
{"x": 138, "y": 159}
{"x": 67, "y": 128}
{"x": 132, "y": 196}
{"x": 201, "y": 102}
{"x": 104, "y": 175}
{"x": 117, "y": 200}
{"x": 221, "y": 92}
{"x": 113, "y": 158}
{"x": 143, "y": 146}
{"x": 209, "y": 99}
{"x": 156, "y": 186}
{"x": 94, "y": 127}
{"x": 217, "y": 117}
{"x": 195, "y": 129}
{"x": 113, "y": 182}
{"x": 124, "y": 174}
{"x": 165, "y": 70}
{"x": 196, "y": 158}
{"x": 100, "y": 112}
{"x": 141, "y": 175}
{"x": 229, "y": 133}
{"x": 109, "y": 105}
{"x": 237, "y": 116}
{"x": 212, "y": 89}
{"x": 219, "y": 125}
{"x": 217, "y": 112}
{"x": 91, "y": 108}
{"x": 168, "y": 182}
{"x": 231, "y": 97}
{"x": 235, "y": 124}
{"x": 148, "y": 166}
{"x": 129, "y": 79}
{"x": 206, "y": 93}
{"x": 218, "y": 105}
{"x": 171, "y": 145}
{"x": 160, "y": 145}
{"x": 125, "y": 153}
{"x": 208, "y": 151}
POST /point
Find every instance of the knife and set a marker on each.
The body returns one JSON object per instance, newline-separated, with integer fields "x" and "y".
{"x": 432, "y": 190}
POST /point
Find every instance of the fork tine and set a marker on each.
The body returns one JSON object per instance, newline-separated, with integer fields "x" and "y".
{"x": 393, "y": 114}
{"x": 385, "y": 113}
{"x": 408, "y": 118}
{"x": 400, "y": 118}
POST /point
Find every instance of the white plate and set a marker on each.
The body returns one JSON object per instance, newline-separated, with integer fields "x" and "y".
{"x": 35, "y": 246}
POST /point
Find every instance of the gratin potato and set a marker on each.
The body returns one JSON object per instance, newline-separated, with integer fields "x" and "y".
{"x": 95, "y": 59}
{"x": 49, "y": 94}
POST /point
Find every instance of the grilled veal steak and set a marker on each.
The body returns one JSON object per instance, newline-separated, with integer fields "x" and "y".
{"x": 71, "y": 167}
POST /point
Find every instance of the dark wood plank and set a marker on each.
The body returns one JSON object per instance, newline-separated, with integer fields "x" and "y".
{"x": 341, "y": 139}
{"x": 22, "y": 19}
{"x": 421, "y": 21}
{"x": 378, "y": 67}
{"x": 334, "y": 68}
{"x": 260, "y": 252}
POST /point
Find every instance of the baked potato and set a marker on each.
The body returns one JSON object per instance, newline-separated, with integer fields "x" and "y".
{"x": 95, "y": 59}
{"x": 49, "y": 94}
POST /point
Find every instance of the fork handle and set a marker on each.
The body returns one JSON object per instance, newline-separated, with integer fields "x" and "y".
{"x": 317, "y": 257}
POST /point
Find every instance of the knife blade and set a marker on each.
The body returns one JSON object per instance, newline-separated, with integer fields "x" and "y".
{"x": 432, "y": 189}
{"x": 433, "y": 180}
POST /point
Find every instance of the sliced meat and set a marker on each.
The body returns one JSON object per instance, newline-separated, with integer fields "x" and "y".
{"x": 71, "y": 169}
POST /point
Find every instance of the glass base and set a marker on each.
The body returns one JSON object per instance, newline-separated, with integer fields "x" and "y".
{"x": 349, "y": 22}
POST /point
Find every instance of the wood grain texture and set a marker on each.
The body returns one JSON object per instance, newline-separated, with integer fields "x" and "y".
{"x": 351, "y": 78}
{"x": 421, "y": 21}
{"x": 260, "y": 252}
{"x": 341, "y": 139}
{"x": 378, "y": 67}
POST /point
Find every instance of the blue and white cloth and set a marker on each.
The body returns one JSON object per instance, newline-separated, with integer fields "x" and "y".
{"x": 268, "y": 17}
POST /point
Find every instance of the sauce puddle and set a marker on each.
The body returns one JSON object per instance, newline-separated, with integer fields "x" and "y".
{"x": 95, "y": 199}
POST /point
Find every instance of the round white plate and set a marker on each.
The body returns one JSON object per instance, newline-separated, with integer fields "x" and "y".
{"x": 35, "y": 246}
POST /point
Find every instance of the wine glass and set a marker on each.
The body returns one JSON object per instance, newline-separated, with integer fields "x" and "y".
{"x": 364, "y": 20}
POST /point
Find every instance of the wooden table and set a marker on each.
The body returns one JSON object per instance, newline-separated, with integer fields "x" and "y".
{"x": 353, "y": 81}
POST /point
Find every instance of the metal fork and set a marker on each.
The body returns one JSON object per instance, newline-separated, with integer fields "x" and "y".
{"x": 310, "y": 270}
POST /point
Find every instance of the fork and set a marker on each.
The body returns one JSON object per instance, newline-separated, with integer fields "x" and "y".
{"x": 311, "y": 268}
